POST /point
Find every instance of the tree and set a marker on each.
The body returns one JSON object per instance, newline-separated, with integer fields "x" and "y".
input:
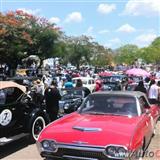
{"x": 151, "y": 54}
{"x": 78, "y": 50}
{"x": 126, "y": 54}
{"x": 23, "y": 35}
{"x": 13, "y": 39}
{"x": 101, "y": 56}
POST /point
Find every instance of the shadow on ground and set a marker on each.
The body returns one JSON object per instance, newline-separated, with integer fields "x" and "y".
{"x": 13, "y": 147}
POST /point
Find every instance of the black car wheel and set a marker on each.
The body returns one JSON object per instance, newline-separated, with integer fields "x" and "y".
{"x": 37, "y": 125}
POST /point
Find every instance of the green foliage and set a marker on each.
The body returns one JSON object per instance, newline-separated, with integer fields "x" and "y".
{"x": 77, "y": 50}
{"x": 101, "y": 56}
{"x": 23, "y": 35}
{"x": 126, "y": 54}
{"x": 151, "y": 54}
{"x": 129, "y": 53}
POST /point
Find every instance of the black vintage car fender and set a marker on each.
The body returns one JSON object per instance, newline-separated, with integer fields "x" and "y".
{"x": 38, "y": 112}
{"x": 37, "y": 117}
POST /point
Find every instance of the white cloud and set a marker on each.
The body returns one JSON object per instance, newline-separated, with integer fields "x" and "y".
{"x": 115, "y": 42}
{"x": 106, "y": 8}
{"x": 90, "y": 32}
{"x": 126, "y": 28}
{"x": 145, "y": 39}
{"x": 144, "y": 8}
{"x": 30, "y": 11}
{"x": 54, "y": 20}
{"x": 103, "y": 31}
{"x": 90, "y": 29}
{"x": 74, "y": 17}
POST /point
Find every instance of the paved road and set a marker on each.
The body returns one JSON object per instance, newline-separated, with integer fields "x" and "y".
{"x": 20, "y": 150}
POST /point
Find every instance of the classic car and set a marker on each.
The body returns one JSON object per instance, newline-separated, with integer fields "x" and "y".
{"x": 108, "y": 125}
{"x": 87, "y": 82}
{"x": 71, "y": 100}
{"x": 132, "y": 86}
{"x": 23, "y": 80}
{"x": 114, "y": 78}
{"x": 19, "y": 114}
{"x": 111, "y": 86}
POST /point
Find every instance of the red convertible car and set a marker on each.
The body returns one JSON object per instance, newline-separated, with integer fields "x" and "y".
{"x": 107, "y": 126}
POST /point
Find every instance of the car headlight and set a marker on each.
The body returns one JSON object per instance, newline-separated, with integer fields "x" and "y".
{"x": 49, "y": 145}
{"x": 117, "y": 152}
{"x": 66, "y": 106}
{"x": 45, "y": 144}
{"x": 111, "y": 151}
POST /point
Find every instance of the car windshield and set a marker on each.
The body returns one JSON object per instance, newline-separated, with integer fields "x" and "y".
{"x": 67, "y": 94}
{"x": 111, "y": 86}
{"x": 110, "y": 104}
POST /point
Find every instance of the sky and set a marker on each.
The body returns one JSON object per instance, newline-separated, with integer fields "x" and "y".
{"x": 112, "y": 23}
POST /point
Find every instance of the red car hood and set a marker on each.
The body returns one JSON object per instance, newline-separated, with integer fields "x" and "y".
{"x": 103, "y": 129}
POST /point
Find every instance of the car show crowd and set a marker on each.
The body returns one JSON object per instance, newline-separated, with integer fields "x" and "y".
{"x": 47, "y": 87}
{"x": 28, "y": 103}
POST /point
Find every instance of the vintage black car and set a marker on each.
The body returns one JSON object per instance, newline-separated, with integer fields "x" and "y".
{"x": 111, "y": 86}
{"x": 20, "y": 115}
{"x": 71, "y": 100}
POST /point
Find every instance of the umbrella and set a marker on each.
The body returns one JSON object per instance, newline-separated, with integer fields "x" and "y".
{"x": 137, "y": 72}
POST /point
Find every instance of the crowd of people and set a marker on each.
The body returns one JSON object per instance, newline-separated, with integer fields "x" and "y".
{"x": 47, "y": 86}
{"x": 152, "y": 90}
{"x": 49, "y": 89}
{"x": 51, "y": 94}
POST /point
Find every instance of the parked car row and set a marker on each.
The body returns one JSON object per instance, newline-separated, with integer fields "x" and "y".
{"x": 104, "y": 125}
{"x": 71, "y": 100}
{"x": 21, "y": 115}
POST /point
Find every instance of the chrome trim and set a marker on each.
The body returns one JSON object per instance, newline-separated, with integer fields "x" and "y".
{"x": 87, "y": 129}
{"x": 79, "y": 158}
{"x": 116, "y": 145}
{"x": 41, "y": 149}
{"x": 101, "y": 149}
{"x": 79, "y": 142}
{"x": 72, "y": 146}
{"x": 81, "y": 145}
{"x": 113, "y": 145}
{"x": 82, "y": 148}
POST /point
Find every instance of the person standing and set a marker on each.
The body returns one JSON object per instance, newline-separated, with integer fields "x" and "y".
{"x": 158, "y": 84}
{"x": 140, "y": 87}
{"x": 39, "y": 91}
{"x": 98, "y": 86}
{"x": 153, "y": 92}
{"x": 79, "y": 85}
{"x": 52, "y": 97}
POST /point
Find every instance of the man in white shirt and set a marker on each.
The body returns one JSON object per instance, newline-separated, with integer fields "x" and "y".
{"x": 153, "y": 92}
